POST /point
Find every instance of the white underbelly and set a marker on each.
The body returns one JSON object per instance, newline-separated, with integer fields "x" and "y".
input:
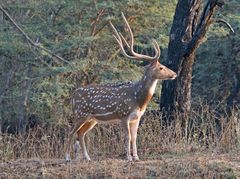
{"x": 110, "y": 117}
{"x": 111, "y": 121}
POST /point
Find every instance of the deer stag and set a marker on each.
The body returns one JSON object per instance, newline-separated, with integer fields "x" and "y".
{"x": 124, "y": 102}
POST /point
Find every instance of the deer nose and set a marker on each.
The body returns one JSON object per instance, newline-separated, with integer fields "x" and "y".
{"x": 174, "y": 76}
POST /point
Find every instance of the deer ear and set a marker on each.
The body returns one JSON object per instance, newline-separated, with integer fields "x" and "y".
{"x": 154, "y": 63}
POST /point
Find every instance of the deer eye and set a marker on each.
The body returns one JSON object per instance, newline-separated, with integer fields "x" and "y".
{"x": 161, "y": 68}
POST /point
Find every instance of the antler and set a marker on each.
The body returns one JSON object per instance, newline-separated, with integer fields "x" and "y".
{"x": 136, "y": 56}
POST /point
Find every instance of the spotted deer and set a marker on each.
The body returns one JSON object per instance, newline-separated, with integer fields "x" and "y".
{"x": 124, "y": 102}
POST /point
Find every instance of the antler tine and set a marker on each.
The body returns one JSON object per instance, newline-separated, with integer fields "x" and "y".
{"x": 157, "y": 48}
{"x": 118, "y": 36}
{"x": 140, "y": 56}
{"x": 130, "y": 31}
{"x": 125, "y": 41}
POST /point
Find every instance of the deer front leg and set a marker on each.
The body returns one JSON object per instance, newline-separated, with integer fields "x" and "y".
{"x": 70, "y": 137}
{"x": 133, "y": 130}
{"x": 87, "y": 126}
{"x": 126, "y": 130}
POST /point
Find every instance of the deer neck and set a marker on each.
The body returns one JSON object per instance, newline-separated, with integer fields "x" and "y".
{"x": 144, "y": 90}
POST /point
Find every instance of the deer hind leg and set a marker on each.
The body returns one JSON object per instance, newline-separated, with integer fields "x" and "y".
{"x": 86, "y": 127}
{"x": 126, "y": 130}
{"x": 77, "y": 125}
{"x": 133, "y": 130}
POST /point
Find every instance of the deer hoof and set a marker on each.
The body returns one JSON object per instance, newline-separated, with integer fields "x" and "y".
{"x": 67, "y": 158}
{"x": 135, "y": 158}
{"x": 129, "y": 158}
{"x": 87, "y": 158}
{"x": 77, "y": 157}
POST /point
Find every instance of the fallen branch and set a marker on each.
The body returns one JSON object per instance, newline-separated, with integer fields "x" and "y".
{"x": 37, "y": 45}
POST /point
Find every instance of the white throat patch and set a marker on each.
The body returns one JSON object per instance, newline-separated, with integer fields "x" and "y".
{"x": 153, "y": 87}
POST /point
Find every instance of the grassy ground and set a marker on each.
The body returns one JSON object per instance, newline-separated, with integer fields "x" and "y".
{"x": 210, "y": 150}
{"x": 188, "y": 165}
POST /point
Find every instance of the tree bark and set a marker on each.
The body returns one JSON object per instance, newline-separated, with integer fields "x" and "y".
{"x": 191, "y": 21}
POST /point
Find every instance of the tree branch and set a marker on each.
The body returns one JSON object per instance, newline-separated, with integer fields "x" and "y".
{"x": 100, "y": 29}
{"x": 114, "y": 55}
{"x": 37, "y": 45}
{"x": 202, "y": 26}
{"x": 95, "y": 22}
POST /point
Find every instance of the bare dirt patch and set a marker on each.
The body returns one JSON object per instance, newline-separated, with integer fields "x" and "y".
{"x": 194, "y": 165}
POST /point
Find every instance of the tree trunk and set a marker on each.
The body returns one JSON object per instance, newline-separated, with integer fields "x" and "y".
{"x": 23, "y": 103}
{"x": 7, "y": 79}
{"x": 190, "y": 24}
{"x": 233, "y": 100}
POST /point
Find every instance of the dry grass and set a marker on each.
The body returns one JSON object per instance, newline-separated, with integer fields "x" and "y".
{"x": 197, "y": 165}
{"x": 209, "y": 149}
